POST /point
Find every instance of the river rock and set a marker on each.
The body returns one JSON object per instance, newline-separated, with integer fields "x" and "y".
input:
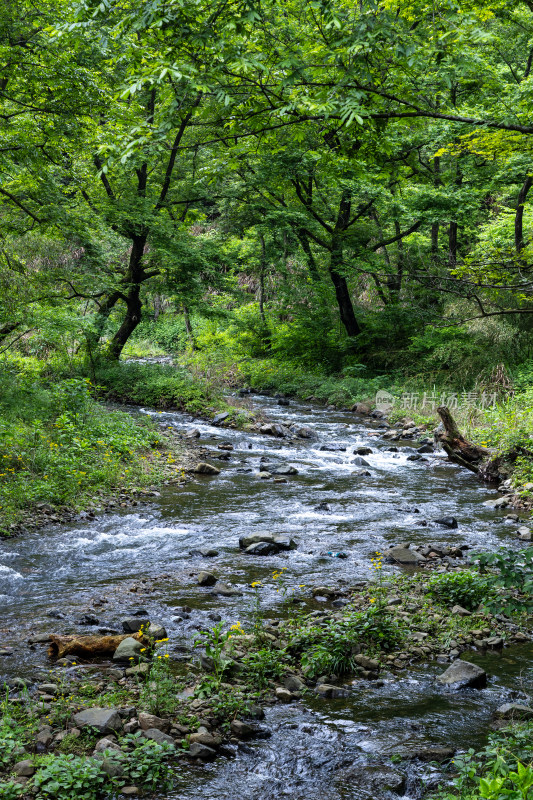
{"x": 293, "y": 684}
{"x": 206, "y": 579}
{"x": 134, "y": 624}
{"x": 128, "y": 648}
{"x": 360, "y": 462}
{"x": 376, "y": 779}
{"x": 361, "y": 408}
{"x": 273, "y": 429}
{"x": 426, "y": 448}
{"x": 207, "y": 739}
{"x": 204, "y": 552}
{"x": 147, "y": 721}
{"x": 404, "y": 555}
{"x": 302, "y": 431}
{"x": 242, "y": 729}
{"x": 283, "y": 695}
{"x": 367, "y": 663}
{"x": 462, "y": 612}
{"x": 156, "y": 631}
{"x": 433, "y": 753}
{"x": 201, "y": 751}
{"x": 514, "y": 711}
{"x": 462, "y": 674}
{"x": 332, "y": 448}
{"x": 285, "y": 469}
{"x": 106, "y": 744}
{"x": 281, "y": 542}
{"x": 158, "y": 736}
{"x": 363, "y": 451}
{"x": 194, "y": 433}
{"x": 24, "y": 769}
{"x": 219, "y": 418}
{"x": 224, "y": 590}
{"x": 203, "y": 468}
{"x": 262, "y": 549}
{"x": 139, "y": 670}
{"x": 329, "y": 691}
{"x": 105, "y": 720}
{"x": 447, "y": 522}
{"x": 500, "y": 502}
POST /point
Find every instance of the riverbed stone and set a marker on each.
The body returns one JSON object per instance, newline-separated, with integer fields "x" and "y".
{"x": 242, "y": 729}
{"x": 128, "y": 649}
{"x": 203, "y": 468}
{"x": 283, "y": 695}
{"x": 281, "y": 542}
{"x": 222, "y": 417}
{"x": 460, "y": 611}
{"x": 207, "y": 739}
{"x": 447, "y": 522}
{"x": 105, "y": 720}
{"x": 514, "y": 711}
{"x": 224, "y": 590}
{"x": 262, "y": 549}
{"x": 375, "y": 779}
{"x": 202, "y": 752}
{"x": 404, "y": 555}
{"x": 158, "y": 736}
{"x": 24, "y": 769}
{"x": 285, "y": 469}
{"x": 156, "y": 630}
{"x": 147, "y": 721}
{"x": 134, "y": 624}
{"x": 206, "y": 578}
{"x": 367, "y": 663}
{"x": 462, "y": 674}
{"x": 327, "y": 690}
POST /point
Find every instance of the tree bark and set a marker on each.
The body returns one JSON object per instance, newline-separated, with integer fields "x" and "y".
{"x": 342, "y": 293}
{"x": 519, "y": 216}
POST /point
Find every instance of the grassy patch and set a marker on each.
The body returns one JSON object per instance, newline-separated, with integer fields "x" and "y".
{"x": 59, "y": 447}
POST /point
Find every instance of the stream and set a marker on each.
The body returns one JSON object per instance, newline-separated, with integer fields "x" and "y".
{"x": 131, "y": 558}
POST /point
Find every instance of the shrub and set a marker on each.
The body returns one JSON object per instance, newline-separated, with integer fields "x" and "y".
{"x": 466, "y": 588}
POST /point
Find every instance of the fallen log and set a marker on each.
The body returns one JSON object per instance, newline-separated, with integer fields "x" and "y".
{"x": 87, "y": 646}
{"x": 457, "y": 448}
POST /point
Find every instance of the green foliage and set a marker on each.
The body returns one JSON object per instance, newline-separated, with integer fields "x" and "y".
{"x": 159, "y": 694}
{"x": 147, "y": 764}
{"x": 215, "y": 641}
{"x": 157, "y": 386}
{"x": 263, "y": 665}
{"x": 332, "y": 648}
{"x": 10, "y": 790}
{"x": 465, "y": 588}
{"x": 511, "y": 571}
{"x": 502, "y": 771}
{"x": 65, "y": 776}
{"x": 58, "y": 447}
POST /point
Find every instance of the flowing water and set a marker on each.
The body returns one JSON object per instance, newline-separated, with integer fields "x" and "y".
{"x": 141, "y": 557}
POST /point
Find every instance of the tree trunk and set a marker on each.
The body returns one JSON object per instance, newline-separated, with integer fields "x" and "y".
{"x": 519, "y": 216}
{"x": 188, "y": 327}
{"x": 311, "y": 263}
{"x": 133, "y": 279}
{"x": 342, "y": 293}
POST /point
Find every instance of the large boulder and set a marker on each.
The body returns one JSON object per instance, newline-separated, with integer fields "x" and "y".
{"x": 104, "y": 720}
{"x": 462, "y": 674}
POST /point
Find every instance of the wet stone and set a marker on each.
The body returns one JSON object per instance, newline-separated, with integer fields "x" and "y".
{"x": 462, "y": 674}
